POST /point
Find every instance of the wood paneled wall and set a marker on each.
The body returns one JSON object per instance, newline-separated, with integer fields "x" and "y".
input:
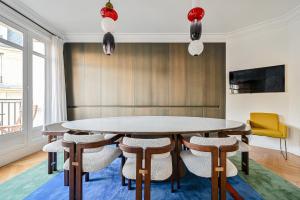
{"x": 144, "y": 79}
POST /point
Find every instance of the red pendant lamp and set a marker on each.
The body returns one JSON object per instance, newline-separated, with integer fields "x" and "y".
{"x": 195, "y": 16}
{"x": 108, "y": 25}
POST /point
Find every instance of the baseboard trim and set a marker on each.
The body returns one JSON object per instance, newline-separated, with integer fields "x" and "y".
{"x": 22, "y": 152}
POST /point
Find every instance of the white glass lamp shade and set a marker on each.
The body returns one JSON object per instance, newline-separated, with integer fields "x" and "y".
{"x": 108, "y": 25}
{"x": 196, "y": 47}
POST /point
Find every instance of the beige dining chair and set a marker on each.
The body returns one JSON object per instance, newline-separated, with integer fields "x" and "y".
{"x": 148, "y": 160}
{"x": 207, "y": 158}
{"x": 54, "y": 132}
{"x": 87, "y": 153}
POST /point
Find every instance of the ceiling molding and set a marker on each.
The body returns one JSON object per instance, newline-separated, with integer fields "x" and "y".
{"x": 143, "y": 37}
{"x": 277, "y": 22}
{"x": 24, "y": 9}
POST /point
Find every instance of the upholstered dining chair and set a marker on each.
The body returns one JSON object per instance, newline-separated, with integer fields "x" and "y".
{"x": 55, "y": 133}
{"x": 148, "y": 160}
{"x": 87, "y": 153}
{"x": 207, "y": 158}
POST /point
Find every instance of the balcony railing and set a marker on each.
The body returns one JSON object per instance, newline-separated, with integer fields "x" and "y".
{"x": 10, "y": 116}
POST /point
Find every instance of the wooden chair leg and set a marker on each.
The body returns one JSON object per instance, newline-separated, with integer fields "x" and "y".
{"x": 50, "y": 157}
{"x": 139, "y": 178}
{"x": 222, "y": 183}
{"x": 223, "y": 176}
{"x": 87, "y": 177}
{"x": 72, "y": 175}
{"x": 66, "y": 172}
{"x": 214, "y": 189}
{"x": 78, "y": 185}
{"x": 66, "y": 178}
{"x": 215, "y": 177}
{"x": 72, "y": 183}
{"x": 122, "y": 164}
{"x": 129, "y": 184}
{"x": 147, "y": 186}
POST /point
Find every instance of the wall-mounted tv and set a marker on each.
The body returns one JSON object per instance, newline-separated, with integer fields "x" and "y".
{"x": 258, "y": 80}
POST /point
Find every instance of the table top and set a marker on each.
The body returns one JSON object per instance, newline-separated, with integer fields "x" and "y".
{"x": 145, "y": 125}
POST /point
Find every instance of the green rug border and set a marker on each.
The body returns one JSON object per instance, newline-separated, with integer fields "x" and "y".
{"x": 20, "y": 186}
{"x": 263, "y": 181}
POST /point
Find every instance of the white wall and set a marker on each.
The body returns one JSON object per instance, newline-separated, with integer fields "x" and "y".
{"x": 271, "y": 44}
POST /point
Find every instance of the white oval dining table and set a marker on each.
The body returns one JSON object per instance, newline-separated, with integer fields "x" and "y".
{"x": 153, "y": 125}
{"x": 159, "y": 126}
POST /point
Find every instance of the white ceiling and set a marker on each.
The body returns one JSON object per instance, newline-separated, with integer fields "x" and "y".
{"x": 158, "y": 16}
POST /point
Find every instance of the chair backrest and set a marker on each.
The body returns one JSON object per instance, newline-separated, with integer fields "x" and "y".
{"x": 85, "y": 139}
{"x": 264, "y": 120}
{"x": 55, "y": 127}
{"x": 145, "y": 143}
{"x": 217, "y": 142}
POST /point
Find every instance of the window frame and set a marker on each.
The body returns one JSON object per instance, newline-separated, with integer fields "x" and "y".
{"x": 28, "y": 135}
{"x": 18, "y": 140}
{"x": 35, "y": 131}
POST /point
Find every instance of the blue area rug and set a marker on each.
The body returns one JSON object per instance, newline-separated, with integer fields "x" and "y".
{"x": 106, "y": 185}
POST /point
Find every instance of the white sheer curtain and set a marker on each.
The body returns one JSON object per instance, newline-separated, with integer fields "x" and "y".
{"x": 56, "y": 106}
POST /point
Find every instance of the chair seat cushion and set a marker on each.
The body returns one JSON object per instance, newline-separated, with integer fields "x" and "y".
{"x": 97, "y": 160}
{"x": 55, "y": 146}
{"x": 201, "y": 165}
{"x": 243, "y": 147}
{"x": 161, "y": 168}
{"x": 266, "y": 132}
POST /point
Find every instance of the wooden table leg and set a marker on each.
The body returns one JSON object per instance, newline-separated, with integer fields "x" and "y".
{"x": 54, "y": 162}
{"x": 245, "y": 157}
{"x": 177, "y": 157}
{"x": 50, "y": 157}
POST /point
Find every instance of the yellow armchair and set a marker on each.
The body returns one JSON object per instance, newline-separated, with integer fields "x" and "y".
{"x": 267, "y": 124}
{"x": 283, "y": 129}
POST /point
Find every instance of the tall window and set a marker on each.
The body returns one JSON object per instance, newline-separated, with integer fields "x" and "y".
{"x": 23, "y": 59}
{"x": 38, "y": 82}
{"x": 11, "y": 80}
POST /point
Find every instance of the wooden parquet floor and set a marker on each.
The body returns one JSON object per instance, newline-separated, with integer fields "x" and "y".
{"x": 19, "y": 166}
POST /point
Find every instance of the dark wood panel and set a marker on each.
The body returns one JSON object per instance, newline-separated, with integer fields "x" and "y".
{"x": 144, "y": 79}
{"x": 142, "y": 74}
{"x": 178, "y": 74}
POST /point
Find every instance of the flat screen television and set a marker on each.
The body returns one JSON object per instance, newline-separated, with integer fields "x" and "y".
{"x": 258, "y": 80}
